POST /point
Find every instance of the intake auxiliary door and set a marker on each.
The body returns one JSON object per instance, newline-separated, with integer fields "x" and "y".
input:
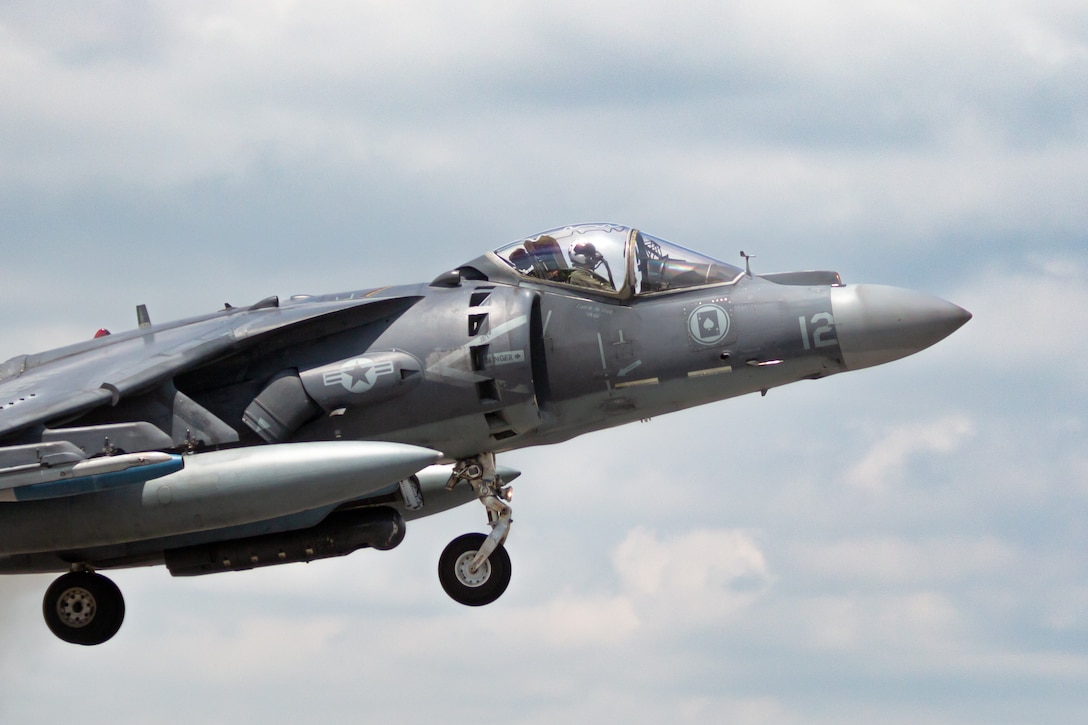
{"x": 506, "y": 358}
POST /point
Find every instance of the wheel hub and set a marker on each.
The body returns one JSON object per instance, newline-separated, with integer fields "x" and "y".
{"x": 76, "y": 607}
{"x": 470, "y": 578}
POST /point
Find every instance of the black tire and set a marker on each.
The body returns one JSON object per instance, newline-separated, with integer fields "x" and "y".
{"x": 83, "y": 608}
{"x": 483, "y": 587}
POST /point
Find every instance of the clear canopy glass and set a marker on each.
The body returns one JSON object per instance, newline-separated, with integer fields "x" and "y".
{"x": 613, "y": 259}
{"x": 661, "y": 266}
{"x": 593, "y": 256}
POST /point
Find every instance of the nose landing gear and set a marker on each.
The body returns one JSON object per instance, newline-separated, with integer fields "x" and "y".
{"x": 474, "y": 569}
{"x": 82, "y": 607}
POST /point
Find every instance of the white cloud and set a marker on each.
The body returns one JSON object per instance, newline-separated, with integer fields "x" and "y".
{"x": 1070, "y": 612}
{"x": 254, "y": 649}
{"x": 916, "y": 624}
{"x": 882, "y": 561}
{"x": 882, "y": 466}
{"x": 569, "y": 622}
{"x": 698, "y": 576}
{"x": 1027, "y": 319}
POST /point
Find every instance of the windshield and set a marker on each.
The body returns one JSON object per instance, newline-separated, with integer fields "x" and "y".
{"x": 661, "y": 266}
{"x": 593, "y": 256}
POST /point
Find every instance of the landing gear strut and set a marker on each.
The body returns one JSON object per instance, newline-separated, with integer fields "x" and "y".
{"x": 82, "y": 607}
{"x": 474, "y": 569}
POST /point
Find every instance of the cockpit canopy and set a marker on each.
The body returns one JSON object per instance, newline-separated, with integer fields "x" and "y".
{"x": 614, "y": 260}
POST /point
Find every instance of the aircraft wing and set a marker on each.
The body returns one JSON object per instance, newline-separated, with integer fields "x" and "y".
{"x": 59, "y": 385}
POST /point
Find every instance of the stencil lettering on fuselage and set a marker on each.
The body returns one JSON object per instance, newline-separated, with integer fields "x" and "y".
{"x": 507, "y": 358}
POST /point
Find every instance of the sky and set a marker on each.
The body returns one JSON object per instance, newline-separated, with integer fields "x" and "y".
{"x": 900, "y": 544}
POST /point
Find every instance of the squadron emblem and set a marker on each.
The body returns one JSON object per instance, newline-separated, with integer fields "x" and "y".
{"x": 708, "y": 324}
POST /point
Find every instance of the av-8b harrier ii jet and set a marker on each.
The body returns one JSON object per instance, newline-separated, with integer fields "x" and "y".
{"x": 278, "y": 433}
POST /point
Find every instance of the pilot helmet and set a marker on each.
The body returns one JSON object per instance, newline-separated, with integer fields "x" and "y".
{"x": 584, "y": 254}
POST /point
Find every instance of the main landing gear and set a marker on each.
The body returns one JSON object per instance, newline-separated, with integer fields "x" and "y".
{"x": 82, "y": 607}
{"x": 474, "y": 569}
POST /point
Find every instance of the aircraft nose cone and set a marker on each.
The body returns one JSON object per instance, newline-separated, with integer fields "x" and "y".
{"x": 877, "y": 324}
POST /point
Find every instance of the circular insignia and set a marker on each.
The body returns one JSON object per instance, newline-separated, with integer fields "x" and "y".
{"x": 358, "y": 375}
{"x": 708, "y": 324}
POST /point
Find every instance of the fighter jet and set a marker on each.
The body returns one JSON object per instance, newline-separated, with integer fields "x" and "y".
{"x": 293, "y": 431}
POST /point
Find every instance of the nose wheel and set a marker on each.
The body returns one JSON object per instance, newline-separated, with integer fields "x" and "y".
{"x": 83, "y": 608}
{"x": 474, "y": 569}
{"x": 473, "y": 587}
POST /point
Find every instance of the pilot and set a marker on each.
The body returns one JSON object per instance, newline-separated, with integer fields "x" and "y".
{"x": 584, "y": 259}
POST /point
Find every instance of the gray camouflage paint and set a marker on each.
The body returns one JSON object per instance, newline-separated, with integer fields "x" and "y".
{"x": 484, "y": 359}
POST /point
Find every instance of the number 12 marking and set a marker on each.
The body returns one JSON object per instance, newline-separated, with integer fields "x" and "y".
{"x": 822, "y": 336}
